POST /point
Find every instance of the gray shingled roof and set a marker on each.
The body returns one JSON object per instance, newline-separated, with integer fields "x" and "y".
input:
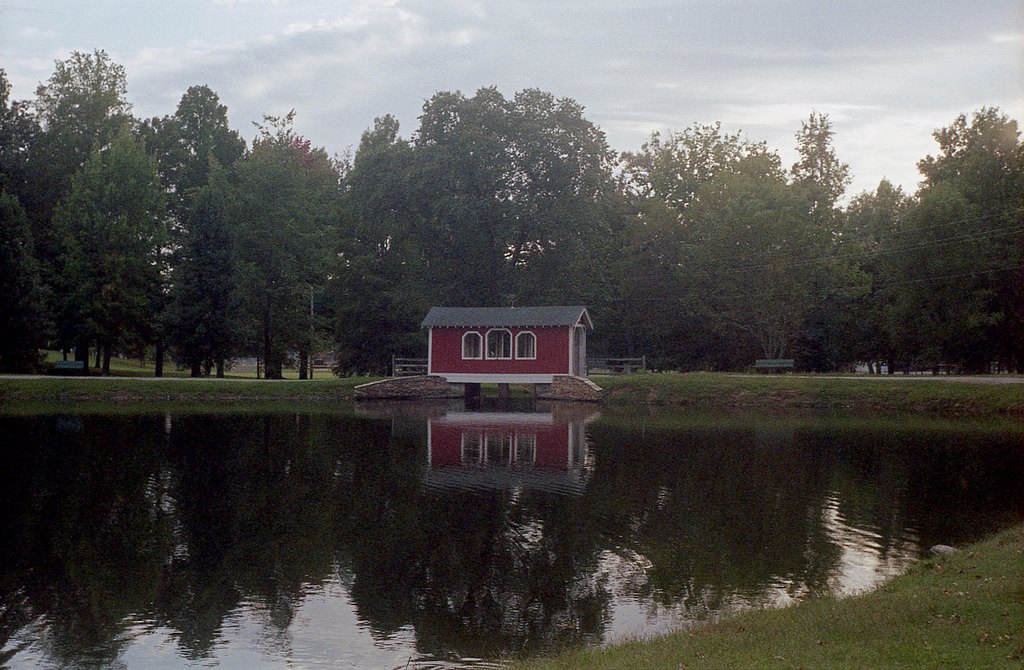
{"x": 514, "y": 317}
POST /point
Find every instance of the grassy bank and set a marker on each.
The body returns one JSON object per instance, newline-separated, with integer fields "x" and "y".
{"x": 962, "y": 611}
{"x": 697, "y": 391}
{"x": 123, "y": 390}
{"x": 949, "y": 395}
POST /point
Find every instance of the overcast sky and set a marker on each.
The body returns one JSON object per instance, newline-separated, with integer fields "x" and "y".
{"x": 887, "y": 72}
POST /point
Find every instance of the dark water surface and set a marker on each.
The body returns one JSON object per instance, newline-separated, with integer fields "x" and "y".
{"x": 428, "y": 537}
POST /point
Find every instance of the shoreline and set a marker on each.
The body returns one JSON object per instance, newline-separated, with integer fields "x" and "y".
{"x": 946, "y": 396}
{"x": 962, "y": 610}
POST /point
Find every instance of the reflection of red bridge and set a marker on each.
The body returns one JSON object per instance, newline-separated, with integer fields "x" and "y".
{"x": 500, "y": 450}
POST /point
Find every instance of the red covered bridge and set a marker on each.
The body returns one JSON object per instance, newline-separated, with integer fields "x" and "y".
{"x": 507, "y": 345}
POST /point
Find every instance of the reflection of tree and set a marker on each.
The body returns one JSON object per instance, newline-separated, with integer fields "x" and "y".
{"x": 109, "y": 520}
{"x": 476, "y": 573}
{"x": 483, "y": 574}
{"x": 955, "y": 485}
{"x": 256, "y": 499}
{"x": 84, "y": 541}
{"x": 715, "y": 512}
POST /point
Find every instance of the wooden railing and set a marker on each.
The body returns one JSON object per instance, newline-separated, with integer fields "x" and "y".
{"x": 408, "y": 367}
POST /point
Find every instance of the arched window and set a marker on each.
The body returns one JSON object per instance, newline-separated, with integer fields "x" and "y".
{"x": 472, "y": 345}
{"x": 526, "y": 345}
{"x": 499, "y": 343}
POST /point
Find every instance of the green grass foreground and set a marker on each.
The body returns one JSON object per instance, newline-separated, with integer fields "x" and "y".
{"x": 697, "y": 391}
{"x": 121, "y": 390}
{"x": 962, "y": 611}
{"x": 717, "y": 391}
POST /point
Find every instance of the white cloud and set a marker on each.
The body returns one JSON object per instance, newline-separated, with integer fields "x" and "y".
{"x": 33, "y": 33}
{"x": 1008, "y": 38}
{"x": 886, "y": 73}
{"x": 232, "y": 3}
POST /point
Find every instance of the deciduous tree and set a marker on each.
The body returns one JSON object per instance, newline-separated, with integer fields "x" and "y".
{"x": 282, "y": 206}
{"x": 972, "y": 218}
{"x": 112, "y": 269}
{"x": 22, "y": 320}
{"x": 510, "y": 191}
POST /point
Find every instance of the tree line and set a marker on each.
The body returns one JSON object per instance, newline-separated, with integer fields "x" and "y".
{"x": 175, "y": 236}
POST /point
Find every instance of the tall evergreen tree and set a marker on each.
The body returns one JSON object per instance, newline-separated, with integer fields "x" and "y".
{"x": 203, "y": 312}
{"x": 377, "y": 288}
{"x": 190, "y": 144}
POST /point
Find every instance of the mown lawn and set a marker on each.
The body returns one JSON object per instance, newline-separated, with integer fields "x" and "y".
{"x": 696, "y": 391}
{"x": 701, "y": 390}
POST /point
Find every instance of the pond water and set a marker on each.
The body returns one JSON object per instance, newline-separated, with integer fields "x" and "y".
{"x": 434, "y": 536}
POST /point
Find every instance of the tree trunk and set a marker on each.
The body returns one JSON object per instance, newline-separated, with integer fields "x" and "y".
{"x": 158, "y": 360}
{"x": 220, "y": 368}
{"x": 271, "y": 360}
{"x": 303, "y": 365}
{"x": 82, "y": 350}
{"x": 107, "y": 351}
{"x": 196, "y": 370}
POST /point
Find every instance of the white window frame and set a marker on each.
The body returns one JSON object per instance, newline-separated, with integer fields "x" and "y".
{"x": 533, "y": 356}
{"x": 479, "y": 342}
{"x": 487, "y": 344}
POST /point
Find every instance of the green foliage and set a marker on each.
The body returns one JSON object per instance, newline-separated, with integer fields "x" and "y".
{"x": 195, "y": 149}
{"x": 18, "y": 132}
{"x": 378, "y": 279}
{"x": 755, "y": 252}
{"x": 280, "y": 212}
{"x": 818, "y": 168}
{"x": 22, "y": 323}
{"x": 972, "y": 217}
{"x": 82, "y": 106}
{"x": 112, "y": 223}
{"x": 203, "y": 313}
{"x": 699, "y": 251}
{"x": 509, "y": 193}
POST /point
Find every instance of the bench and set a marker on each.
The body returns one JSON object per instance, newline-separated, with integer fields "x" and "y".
{"x": 616, "y": 366}
{"x": 773, "y": 364}
{"x": 69, "y": 368}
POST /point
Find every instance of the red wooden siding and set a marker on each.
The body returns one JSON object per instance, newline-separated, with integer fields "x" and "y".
{"x": 552, "y": 353}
